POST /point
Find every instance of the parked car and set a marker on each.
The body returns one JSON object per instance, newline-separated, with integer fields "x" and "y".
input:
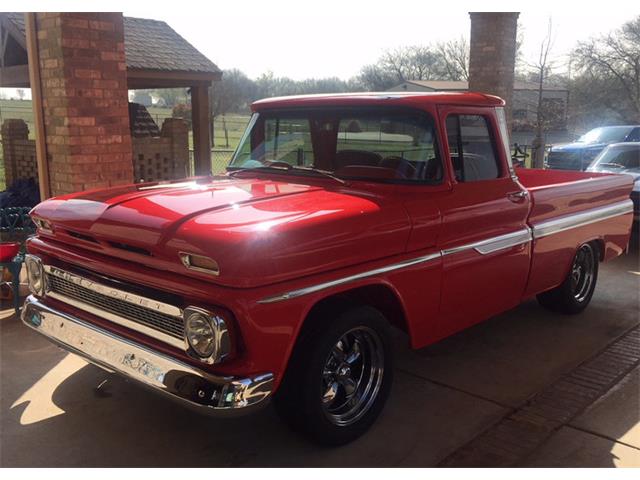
{"x": 622, "y": 158}
{"x": 282, "y": 279}
{"x": 579, "y": 154}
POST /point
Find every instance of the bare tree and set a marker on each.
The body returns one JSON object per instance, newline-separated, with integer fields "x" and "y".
{"x": 542, "y": 69}
{"x": 454, "y": 56}
{"x": 375, "y": 79}
{"x": 442, "y": 61}
{"x": 616, "y": 57}
{"x": 411, "y": 63}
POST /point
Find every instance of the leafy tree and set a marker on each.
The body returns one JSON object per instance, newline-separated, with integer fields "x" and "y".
{"x": 234, "y": 93}
{"x": 172, "y": 96}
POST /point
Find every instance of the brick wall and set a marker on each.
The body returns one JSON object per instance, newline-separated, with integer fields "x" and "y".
{"x": 18, "y": 152}
{"x": 154, "y": 158}
{"x": 84, "y": 90}
{"x": 165, "y": 157}
{"x": 493, "y": 53}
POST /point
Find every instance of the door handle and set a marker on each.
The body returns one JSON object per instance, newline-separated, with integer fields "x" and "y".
{"x": 518, "y": 196}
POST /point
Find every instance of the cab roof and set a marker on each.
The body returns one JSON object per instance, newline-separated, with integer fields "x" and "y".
{"x": 411, "y": 99}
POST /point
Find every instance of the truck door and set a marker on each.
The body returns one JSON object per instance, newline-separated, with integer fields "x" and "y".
{"x": 484, "y": 238}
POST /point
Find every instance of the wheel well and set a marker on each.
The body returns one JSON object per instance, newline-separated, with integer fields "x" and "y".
{"x": 600, "y": 244}
{"x": 378, "y": 296}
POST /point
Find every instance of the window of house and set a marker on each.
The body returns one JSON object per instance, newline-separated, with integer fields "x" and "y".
{"x": 471, "y": 147}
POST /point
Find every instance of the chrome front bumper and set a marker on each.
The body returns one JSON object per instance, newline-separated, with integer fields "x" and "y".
{"x": 193, "y": 387}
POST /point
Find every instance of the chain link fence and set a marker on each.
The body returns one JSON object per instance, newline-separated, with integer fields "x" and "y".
{"x": 220, "y": 158}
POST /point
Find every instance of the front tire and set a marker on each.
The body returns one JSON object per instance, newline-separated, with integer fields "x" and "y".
{"x": 574, "y": 293}
{"x": 339, "y": 376}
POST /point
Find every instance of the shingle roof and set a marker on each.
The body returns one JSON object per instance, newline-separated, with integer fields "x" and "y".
{"x": 150, "y": 45}
{"x": 154, "y": 45}
{"x": 17, "y": 19}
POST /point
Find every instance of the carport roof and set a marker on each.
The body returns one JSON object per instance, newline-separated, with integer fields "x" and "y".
{"x": 155, "y": 54}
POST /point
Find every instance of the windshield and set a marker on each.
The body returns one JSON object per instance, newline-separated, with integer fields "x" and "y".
{"x": 377, "y": 144}
{"x": 625, "y": 157}
{"x": 605, "y": 135}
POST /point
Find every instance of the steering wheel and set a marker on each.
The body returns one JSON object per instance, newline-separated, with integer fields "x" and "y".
{"x": 277, "y": 164}
{"x": 400, "y": 165}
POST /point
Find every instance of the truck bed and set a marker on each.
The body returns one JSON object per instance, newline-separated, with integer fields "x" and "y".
{"x": 554, "y": 191}
{"x": 570, "y": 208}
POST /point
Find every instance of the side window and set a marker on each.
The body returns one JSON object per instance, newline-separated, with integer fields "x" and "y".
{"x": 628, "y": 159}
{"x": 473, "y": 154}
{"x": 634, "y": 136}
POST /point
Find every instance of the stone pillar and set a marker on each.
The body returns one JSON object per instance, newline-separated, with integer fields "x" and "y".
{"x": 84, "y": 99}
{"x": 492, "y": 56}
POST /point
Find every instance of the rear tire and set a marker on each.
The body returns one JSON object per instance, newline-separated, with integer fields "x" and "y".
{"x": 574, "y": 293}
{"x": 339, "y": 376}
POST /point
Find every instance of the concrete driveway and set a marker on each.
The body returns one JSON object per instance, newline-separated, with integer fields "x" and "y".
{"x": 56, "y": 410}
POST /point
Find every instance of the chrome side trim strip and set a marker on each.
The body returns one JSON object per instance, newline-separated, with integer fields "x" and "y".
{"x": 494, "y": 244}
{"x": 114, "y": 292}
{"x": 562, "y": 224}
{"x": 351, "y": 278}
{"x": 205, "y": 392}
{"x": 483, "y": 247}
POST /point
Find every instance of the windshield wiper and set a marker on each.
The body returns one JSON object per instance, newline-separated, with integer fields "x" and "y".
{"x": 278, "y": 168}
{"x": 611, "y": 164}
{"x": 285, "y": 167}
{"x": 322, "y": 172}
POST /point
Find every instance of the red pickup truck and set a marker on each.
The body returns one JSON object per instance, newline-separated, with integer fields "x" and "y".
{"x": 340, "y": 217}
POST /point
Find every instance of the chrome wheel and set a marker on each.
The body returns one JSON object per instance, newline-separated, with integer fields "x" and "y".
{"x": 582, "y": 272}
{"x": 352, "y": 376}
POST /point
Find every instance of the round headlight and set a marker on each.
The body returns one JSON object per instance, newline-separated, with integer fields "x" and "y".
{"x": 35, "y": 274}
{"x": 200, "y": 334}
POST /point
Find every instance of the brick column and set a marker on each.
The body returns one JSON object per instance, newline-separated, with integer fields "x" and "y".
{"x": 84, "y": 98}
{"x": 492, "y": 56}
{"x": 19, "y": 153}
{"x": 178, "y": 131}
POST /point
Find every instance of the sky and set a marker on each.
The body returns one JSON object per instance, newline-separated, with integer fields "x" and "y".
{"x": 325, "y": 38}
{"x": 302, "y": 39}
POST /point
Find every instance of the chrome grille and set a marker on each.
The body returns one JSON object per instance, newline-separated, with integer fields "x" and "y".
{"x": 59, "y": 286}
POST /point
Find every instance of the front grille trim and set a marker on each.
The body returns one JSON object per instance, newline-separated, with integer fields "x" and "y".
{"x": 150, "y": 317}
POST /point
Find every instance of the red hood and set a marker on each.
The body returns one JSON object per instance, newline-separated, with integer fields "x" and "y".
{"x": 259, "y": 231}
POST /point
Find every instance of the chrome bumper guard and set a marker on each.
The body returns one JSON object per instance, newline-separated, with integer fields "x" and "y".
{"x": 215, "y": 395}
